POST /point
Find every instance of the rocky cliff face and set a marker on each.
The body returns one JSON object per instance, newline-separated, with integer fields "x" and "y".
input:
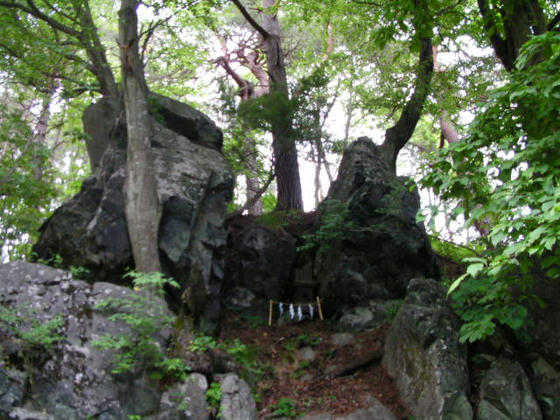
{"x": 381, "y": 247}
{"x": 194, "y": 184}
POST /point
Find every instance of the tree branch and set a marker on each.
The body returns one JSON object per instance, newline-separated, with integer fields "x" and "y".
{"x": 149, "y": 33}
{"x": 398, "y": 135}
{"x": 33, "y": 10}
{"x": 264, "y": 33}
{"x": 555, "y": 20}
{"x": 497, "y": 41}
{"x": 250, "y": 203}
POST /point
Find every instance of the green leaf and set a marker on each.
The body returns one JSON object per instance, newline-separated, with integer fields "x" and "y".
{"x": 474, "y": 269}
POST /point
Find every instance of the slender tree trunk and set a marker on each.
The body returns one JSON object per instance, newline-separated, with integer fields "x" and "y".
{"x": 40, "y": 134}
{"x": 141, "y": 201}
{"x": 248, "y": 92}
{"x": 251, "y": 178}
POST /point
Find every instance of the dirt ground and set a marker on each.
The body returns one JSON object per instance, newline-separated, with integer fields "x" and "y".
{"x": 330, "y": 383}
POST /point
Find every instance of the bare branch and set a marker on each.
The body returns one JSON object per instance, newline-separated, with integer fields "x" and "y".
{"x": 554, "y": 22}
{"x": 264, "y": 33}
{"x": 250, "y": 203}
{"x": 149, "y": 33}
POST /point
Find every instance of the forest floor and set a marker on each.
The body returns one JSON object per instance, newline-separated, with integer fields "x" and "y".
{"x": 337, "y": 380}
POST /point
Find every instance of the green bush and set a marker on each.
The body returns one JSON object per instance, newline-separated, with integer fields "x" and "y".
{"x": 505, "y": 178}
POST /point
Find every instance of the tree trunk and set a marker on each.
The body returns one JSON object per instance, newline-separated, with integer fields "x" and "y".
{"x": 251, "y": 178}
{"x": 141, "y": 201}
{"x": 521, "y": 19}
{"x": 89, "y": 37}
{"x": 398, "y": 135}
{"x": 248, "y": 92}
{"x": 284, "y": 149}
{"x": 283, "y": 138}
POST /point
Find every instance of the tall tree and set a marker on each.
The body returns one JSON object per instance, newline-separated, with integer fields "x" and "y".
{"x": 249, "y": 58}
{"x": 283, "y": 136}
{"x": 142, "y": 206}
{"x": 510, "y": 23}
{"x": 399, "y": 134}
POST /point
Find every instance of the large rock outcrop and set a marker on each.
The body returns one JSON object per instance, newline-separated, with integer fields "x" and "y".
{"x": 424, "y": 356}
{"x": 380, "y": 247}
{"x": 72, "y": 379}
{"x": 51, "y": 368}
{"x": 505, "y": 393}
{"x": 194, "y": 184}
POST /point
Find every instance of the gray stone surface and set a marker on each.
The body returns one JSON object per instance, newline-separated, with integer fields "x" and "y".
{"x": 12, "y": 388}
{"x": 237, "y": 401}
{"x": 194, "y": 184}
{"x": 545, "y": 381}
{"x": 384, "y": 247}
{"x": 186, "y": 121}
{"x": 266, "y": 261}
{"x": 74, "y": 378}
{"x": 342, "y": 339}
{"x": 424, "y": 356}
{"x": 505, "y": 394}
{"x": 25, "y": 414}
{"x": 305, "y": 354}
{"x": 186, "y": 401}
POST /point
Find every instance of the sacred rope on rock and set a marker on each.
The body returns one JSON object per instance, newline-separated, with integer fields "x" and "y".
{"x": 301, "y": 310}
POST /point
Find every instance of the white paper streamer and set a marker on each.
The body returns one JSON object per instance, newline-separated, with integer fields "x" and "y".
{"x": 299, "y": 313}
{"x": 310, "y": 311}
{"x": 292, "y": 313}
{"x": 281, "y": 307}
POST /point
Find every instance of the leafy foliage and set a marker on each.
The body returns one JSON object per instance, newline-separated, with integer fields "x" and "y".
{"x": 506, "y": 178}
{"x": 334, "y": 224}
{"x": 214, "y": 397}
{"x": 26, "y": 185}
{"x": 145, "y": 317}
{"x": 285, "y": 407}
{"x": 22, "y": 324}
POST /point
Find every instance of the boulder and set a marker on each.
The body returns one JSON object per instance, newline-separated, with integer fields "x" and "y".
{"x": 505, "y": 393}
{"x": 379, "y": 246}
{"x": 69, "y": 378}
{"x": 425, "y": 358}
{"x": 545, "y": 381}
{"x": 237, "y": 402}
{"x": 186, "y": 401}
{"x": 266, "y": 260}
{"x": 194, "y": 185}
{"x": 361, "y": 318}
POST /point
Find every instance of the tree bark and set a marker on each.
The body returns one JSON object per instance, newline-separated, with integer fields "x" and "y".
{"x": 398, "y": 135}
{"x": 142, "y": 207}
{"x": 283, "y": 137}
{"x": 521, "y": 19}
{"x": 96, "y": 53}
